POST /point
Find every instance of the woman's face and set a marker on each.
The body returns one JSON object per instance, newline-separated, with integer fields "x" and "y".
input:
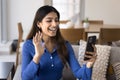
{"x": 49, "y": 24}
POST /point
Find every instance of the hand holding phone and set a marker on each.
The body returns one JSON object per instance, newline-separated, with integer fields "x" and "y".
{"x": 89, "y": 48}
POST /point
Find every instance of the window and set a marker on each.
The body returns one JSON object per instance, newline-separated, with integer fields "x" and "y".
{"x": 67, "y": 8}
{"x": 0, "y": 20}
{"x": 3, "y": 21}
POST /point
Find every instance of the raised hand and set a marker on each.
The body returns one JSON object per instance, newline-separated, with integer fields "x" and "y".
{"x": 39, "y": 46}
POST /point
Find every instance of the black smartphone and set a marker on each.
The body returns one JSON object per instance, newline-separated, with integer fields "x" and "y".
{"x": 89, "y": 48}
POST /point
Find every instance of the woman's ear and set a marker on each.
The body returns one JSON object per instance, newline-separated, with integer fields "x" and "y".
{"x": 39, "y": 24}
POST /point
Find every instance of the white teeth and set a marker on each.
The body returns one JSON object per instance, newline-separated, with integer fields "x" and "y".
{"x": 52, "y": 28}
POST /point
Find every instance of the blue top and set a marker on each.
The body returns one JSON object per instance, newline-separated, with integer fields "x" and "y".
{"x": 50, "y": 66}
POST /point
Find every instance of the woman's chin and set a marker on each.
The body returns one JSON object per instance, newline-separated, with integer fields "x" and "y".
{"x": 52, "y": 35}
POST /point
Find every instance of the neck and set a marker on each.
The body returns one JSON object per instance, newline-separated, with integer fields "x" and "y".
{"x": 49, "y": 43}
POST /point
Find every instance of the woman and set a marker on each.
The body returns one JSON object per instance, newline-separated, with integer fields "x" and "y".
{"x": 45, "y": 52}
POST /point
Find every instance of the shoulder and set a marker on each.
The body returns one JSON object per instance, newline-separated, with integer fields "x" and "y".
{"x": 28, "y": 43}
{"x": 68, "y": 45}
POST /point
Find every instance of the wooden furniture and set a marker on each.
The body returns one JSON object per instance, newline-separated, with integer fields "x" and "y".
{"x": 95, "y": 28}
{"x": 95, "y": 21}
{"x": 20, "y": 36}
{"x": 73, "y": 35}
{"x": 6, "y": 69}
{"x": 64, "y": 21}
{"x": 107, "y": 35}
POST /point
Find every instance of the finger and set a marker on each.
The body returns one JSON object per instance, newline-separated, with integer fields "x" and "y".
{"x": 93, "y": 59}
{"x": 40, "y": 36}
{"x": 88, "y": 56}
{"x": 35, "y": 37}
{"x": 34, "y": 40}
{"x": 91, "y": 56}
{"x": 95, "y": 49}
{"x": 95, "y": 55}
{"x": 90, "y": 53}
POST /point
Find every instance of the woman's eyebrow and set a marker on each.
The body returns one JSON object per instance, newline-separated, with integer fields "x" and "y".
{"x": 51, "y": 18}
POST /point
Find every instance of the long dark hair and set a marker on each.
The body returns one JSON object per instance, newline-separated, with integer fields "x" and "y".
{"x": 58, "y": 39}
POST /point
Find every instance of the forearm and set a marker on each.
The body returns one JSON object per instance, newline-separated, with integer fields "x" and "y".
{"x": 36, "y": 58}
{"x": 38, "y": 54}
{"x": 30, "y": 71}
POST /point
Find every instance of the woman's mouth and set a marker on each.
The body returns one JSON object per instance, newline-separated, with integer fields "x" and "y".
{"x": 52, "y": 28}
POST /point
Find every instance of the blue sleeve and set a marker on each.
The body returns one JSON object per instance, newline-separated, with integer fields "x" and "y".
{"x": 83, "y": 73}
{"x": 29, "y": 68}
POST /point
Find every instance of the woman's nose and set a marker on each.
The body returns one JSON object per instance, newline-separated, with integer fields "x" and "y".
{"x": 54, "y": 23}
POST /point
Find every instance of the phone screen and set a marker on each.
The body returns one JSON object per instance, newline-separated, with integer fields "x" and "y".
{"x": 91, "y": 41}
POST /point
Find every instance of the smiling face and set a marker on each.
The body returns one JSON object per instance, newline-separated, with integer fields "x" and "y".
{"x": 49, "y": 24}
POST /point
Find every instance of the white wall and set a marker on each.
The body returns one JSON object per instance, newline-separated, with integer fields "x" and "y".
{"x": 107, "y": 10}
{"x": 21, "y": 11}
{"x": 0, "y": 19}
{"x": 24, "y": 11}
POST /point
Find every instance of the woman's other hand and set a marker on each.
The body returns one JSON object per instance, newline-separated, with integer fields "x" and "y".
{"x": 93, "y": 57}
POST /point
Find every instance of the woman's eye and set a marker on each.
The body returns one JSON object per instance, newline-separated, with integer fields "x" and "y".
{"x": 49, "y": 21}
{"x": 57, "y": 20}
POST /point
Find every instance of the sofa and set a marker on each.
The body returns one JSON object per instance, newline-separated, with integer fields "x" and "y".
{"x": 111, "y": 74}
{"x": 67, "y": 74}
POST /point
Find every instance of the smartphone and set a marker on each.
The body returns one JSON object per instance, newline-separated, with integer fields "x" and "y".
{"x": 89, "y": 48}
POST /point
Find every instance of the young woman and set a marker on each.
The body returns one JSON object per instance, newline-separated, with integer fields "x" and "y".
{"x": 45, "y": 52}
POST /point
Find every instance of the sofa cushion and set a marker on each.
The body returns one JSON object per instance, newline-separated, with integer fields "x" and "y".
{"x": 115, "y": 55}
{"x": 76, "y": 50}
{"x": 17, "y": 75}
{"x": 81, "y": 52}
{"x": 116, "y": 67}
{"x": 101, "y": 63}
{"x": 116, "y": 43}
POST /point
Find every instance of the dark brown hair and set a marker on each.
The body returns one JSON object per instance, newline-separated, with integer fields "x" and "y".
{"x": 58, "y": 39}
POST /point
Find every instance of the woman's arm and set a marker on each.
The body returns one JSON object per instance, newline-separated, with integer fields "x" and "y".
{"x": 78, "y": 71}
{"x": 30, "y": 62}
{"x": 29, "y": 67}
